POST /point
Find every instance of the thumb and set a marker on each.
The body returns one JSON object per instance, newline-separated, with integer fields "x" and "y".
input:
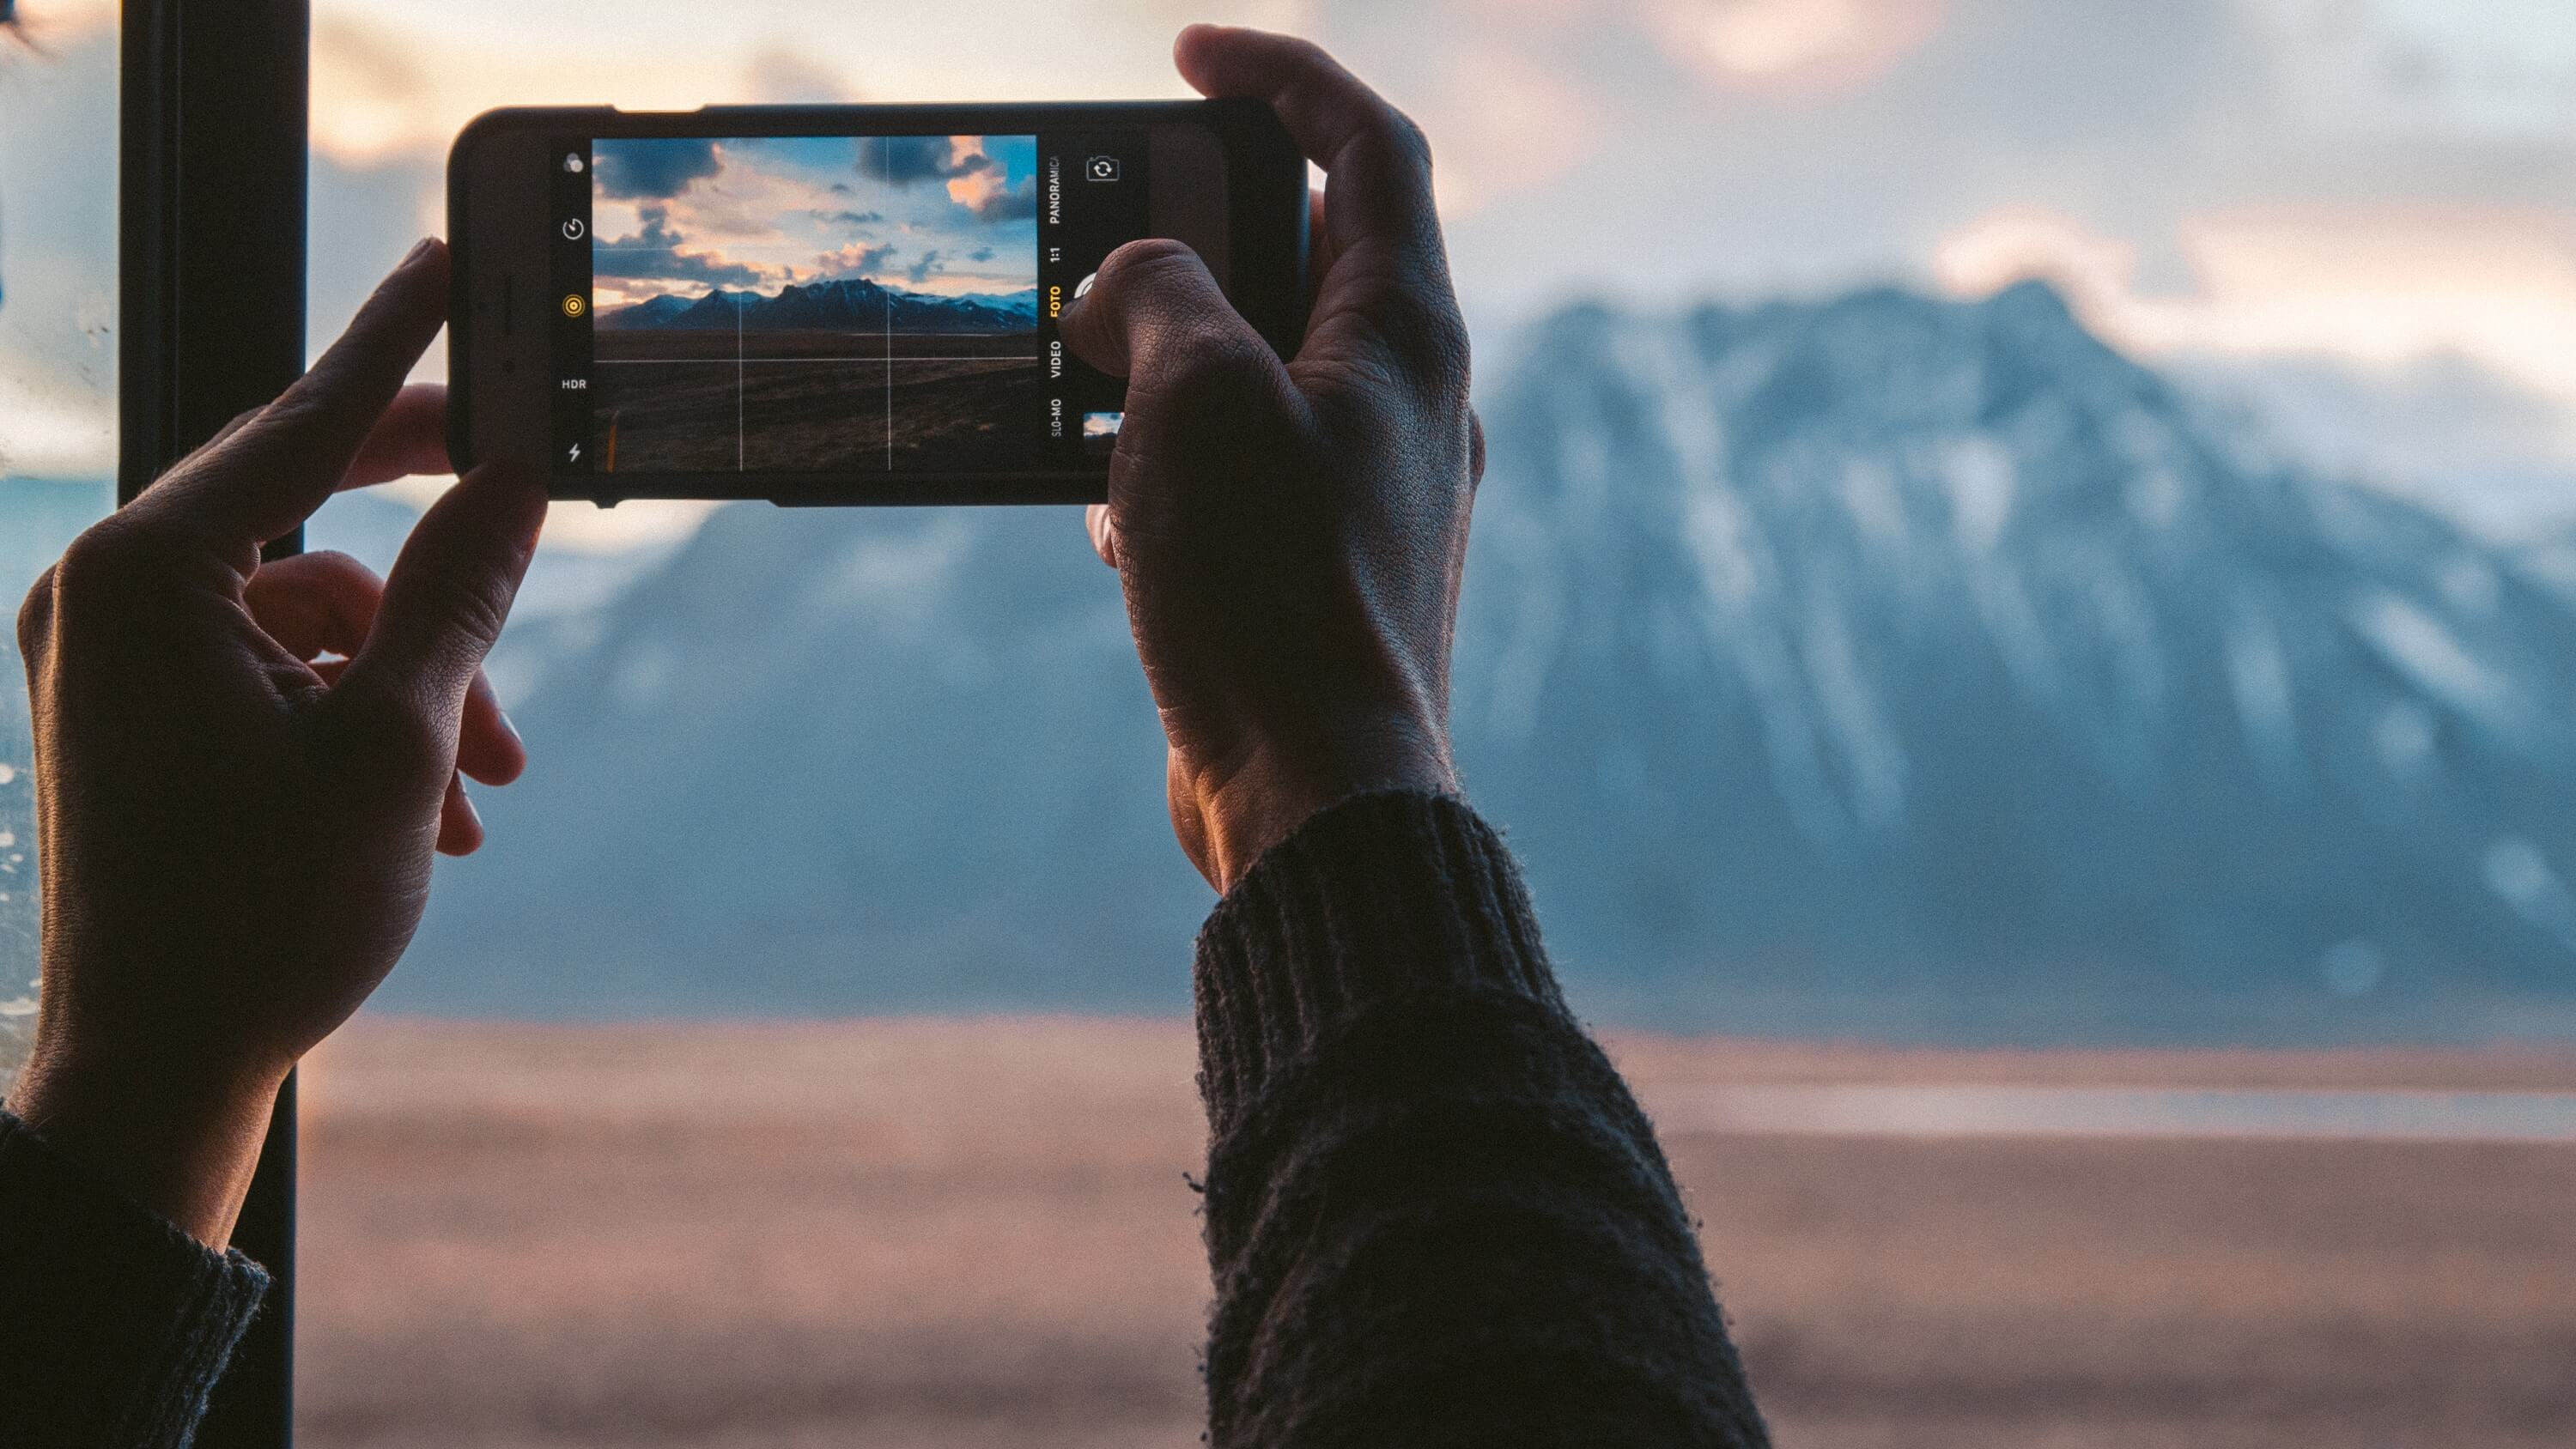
{"x": 449, "y": 592}
{"x": 1151, "y": 306}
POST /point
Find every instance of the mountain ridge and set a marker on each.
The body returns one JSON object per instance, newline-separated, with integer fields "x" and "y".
{"x": 844, "y": 304}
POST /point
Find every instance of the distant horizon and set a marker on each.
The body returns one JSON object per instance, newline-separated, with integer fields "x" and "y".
{"x": 715, "y": 290}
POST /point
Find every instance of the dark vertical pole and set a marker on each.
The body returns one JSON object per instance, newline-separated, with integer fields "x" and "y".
{"x": 211, "y": 303}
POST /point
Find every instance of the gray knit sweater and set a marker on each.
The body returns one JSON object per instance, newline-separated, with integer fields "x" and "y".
{"x": 1435, "y": 1217}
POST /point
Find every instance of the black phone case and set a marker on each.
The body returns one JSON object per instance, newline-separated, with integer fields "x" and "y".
{"x": 1267, "y": 215}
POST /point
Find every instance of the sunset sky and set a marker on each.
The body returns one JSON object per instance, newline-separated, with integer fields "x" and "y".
{"x": 940, "y": 214}
{"x": 2378, "y": 196}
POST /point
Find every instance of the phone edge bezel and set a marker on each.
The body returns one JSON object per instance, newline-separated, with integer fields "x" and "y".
{"x": 1269, "y": 280}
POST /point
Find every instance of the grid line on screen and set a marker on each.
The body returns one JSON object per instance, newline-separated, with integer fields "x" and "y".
{"x": 741, "y": 304}
{"x": 887, "y": 159}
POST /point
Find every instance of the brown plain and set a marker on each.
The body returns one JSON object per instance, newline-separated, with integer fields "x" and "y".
{"x": 819, "y": 401}
{"x": 928, "y": 1232}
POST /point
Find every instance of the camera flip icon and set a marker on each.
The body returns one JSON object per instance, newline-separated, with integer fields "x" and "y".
{"x": 1101, "y": 168}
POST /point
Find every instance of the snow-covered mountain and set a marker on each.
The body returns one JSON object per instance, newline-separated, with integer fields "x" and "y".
{"x": 840, "y": 304}
{"x": 1887, "y": 664}
{"x": 1927, "y": 653}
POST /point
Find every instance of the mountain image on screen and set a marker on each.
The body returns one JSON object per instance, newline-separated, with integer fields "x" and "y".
{"x": 1887, "y": 664}
{"x": 846, "y": 304}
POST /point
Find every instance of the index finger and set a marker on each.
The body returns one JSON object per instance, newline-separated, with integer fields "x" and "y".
{"x": 1379, "y": 163}
{"x": 284, "y": 462}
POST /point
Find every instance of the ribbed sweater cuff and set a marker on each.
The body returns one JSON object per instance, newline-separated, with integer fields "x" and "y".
{"x": 127, "y": 1321}
{"x": 1383, "y": 897}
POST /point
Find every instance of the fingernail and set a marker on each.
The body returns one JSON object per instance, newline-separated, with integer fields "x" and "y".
{"x": 509, "y": 726}
{"x": 419, "y": 249}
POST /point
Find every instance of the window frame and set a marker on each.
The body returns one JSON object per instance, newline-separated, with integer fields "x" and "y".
{"x": 213, "y": 98}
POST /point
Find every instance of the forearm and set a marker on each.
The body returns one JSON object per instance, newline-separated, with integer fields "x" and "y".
{"x": 116, "y": 1324}
{"x": 1435, "y": 1215}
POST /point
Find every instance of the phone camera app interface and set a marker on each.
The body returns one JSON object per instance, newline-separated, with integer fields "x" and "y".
{"x": 835, "y": 304}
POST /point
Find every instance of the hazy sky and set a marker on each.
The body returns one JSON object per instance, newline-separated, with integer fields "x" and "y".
{"x": 2378, "y": 193}
{"x": 944, "y": 214}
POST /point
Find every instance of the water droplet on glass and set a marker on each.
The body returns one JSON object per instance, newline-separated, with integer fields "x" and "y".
{"x": 8, "y": 773}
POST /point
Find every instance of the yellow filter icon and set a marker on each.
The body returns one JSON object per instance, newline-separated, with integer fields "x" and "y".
{"x": 574, "y": 305}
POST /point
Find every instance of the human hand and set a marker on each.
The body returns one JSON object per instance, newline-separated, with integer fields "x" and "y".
{"x": 237, "y": 831}
{"x": 1290, "y": 537}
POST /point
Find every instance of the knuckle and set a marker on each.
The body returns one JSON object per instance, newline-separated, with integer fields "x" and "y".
{"x": 467, "y": 610}
{"x": 36, "y": 616}
{"x": 1144, "y": 263}
{"x": 1308, "y": 57}
{"x": 338, "y": 567}
{"x": 296, "y": 409}
{"x": 1428, "y": 336}
{"x": 1217, "y": 368}
{"x": 387, "y": 722}
{"x": 137, "y": 545}
{"x": 122, "y": 570}
{"x": 101, "y": 558}
{"x": 1405, "y": 139}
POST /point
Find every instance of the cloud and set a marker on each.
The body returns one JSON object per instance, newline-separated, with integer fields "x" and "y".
{"x": 369, "y": 83}
{"x": 858, "y": 259}
{"x": 922, "y": 271}
{"x": 980, "y": 254}
{"x": 782, "y": 76}
{"x": 1509, "y": 123}
{"x": 1000, "y": 203}
{"x": 1796, "y": 43}
{"x": 654, "y": 254}
{"x": 656, "y": 168}
{"x": 2384, "y": 286}
{"x": 849, "y": 218}
{"x": 910, "y": 160}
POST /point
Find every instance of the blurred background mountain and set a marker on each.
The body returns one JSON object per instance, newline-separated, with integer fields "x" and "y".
{"x": 1884, "y": 665}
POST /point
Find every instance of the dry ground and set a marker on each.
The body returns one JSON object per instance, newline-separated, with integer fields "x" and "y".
{"x": 917, "y": 1233}
{"x": 820, "y": 402}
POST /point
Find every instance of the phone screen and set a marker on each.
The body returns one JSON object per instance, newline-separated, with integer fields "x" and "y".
{"x": 842, "y": 305}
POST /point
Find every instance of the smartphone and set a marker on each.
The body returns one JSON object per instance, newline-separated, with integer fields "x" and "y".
{"x": 836, "y": 304}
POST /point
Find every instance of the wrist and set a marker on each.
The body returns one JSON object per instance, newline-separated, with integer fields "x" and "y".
{"x": 180, "y": 1139}
{"x": 1241, "y": 813}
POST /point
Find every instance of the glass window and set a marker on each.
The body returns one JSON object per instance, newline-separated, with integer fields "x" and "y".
{"x": 2019, "y": 619}
{"x": 57, "y": 386}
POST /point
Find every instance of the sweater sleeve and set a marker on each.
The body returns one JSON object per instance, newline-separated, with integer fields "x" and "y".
{"x": 114, "y": 1324}
{"x": 1434, "y": 1214}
